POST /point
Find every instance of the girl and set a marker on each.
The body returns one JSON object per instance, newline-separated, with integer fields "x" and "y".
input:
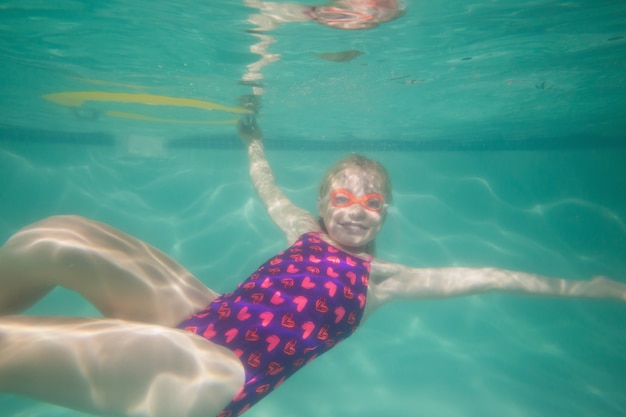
{"x": 168, "y": 346}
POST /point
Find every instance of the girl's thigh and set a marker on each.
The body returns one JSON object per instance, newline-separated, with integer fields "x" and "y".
{"x": 114, "y": 367}
{"x": 119, "y": 274}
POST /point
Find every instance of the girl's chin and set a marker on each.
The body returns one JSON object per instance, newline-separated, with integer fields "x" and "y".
{"x": 353, "y": 229}
{"x": 350, "y": 243}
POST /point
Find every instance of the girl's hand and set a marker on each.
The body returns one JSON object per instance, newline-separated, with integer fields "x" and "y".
{"x": 249, "y": 130}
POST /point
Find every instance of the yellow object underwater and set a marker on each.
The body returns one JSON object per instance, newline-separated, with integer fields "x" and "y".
{"x": 78, "y": 98}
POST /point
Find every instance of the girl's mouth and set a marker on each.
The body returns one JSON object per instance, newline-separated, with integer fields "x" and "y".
{"x": 354, "y": 227}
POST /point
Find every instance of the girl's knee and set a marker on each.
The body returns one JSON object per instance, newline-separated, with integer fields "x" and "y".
{"x": 56, "y": 238}
{"x": 65, "y": 222}
{"x": 43, "y": 232}
{"x": 51, "y": 226}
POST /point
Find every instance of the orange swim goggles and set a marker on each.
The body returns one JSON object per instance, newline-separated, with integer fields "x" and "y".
{"x": 342, "y": 198}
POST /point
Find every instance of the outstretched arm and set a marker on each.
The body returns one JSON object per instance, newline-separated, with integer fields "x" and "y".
{"x": 291, "y": 219}
{"x": 395, "y": 282}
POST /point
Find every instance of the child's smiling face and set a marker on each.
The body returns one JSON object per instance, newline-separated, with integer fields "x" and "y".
{"x": 353, "y": 226}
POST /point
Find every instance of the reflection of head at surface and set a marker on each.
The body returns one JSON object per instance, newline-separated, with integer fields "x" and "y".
{"x": 353, "y": 15}
{"x": 339, "y": 14}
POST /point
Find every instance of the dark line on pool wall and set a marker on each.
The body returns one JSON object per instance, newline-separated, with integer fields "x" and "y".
{"x": 16, "y": 134}
{"x": 33, "y": 136}
{"x": 418, "y": 145}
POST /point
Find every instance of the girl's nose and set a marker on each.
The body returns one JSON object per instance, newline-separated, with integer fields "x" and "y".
{"x": 357, "y": 211}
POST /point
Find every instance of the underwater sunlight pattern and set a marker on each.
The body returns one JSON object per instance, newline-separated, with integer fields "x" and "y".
{"x": 500, "y": 122}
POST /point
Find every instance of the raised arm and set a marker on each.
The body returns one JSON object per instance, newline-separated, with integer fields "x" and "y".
{"x": 291, "y": 219}
{"x": 396, "y": 282}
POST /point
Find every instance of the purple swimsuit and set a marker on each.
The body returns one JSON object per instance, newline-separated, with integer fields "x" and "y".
{"x": 295, "y": 307}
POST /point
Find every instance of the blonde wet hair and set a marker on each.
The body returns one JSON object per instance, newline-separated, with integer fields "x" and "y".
{"x": 360, "y": 162}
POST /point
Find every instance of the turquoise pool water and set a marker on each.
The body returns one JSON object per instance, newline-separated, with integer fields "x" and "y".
{"x": 500, "y": 122}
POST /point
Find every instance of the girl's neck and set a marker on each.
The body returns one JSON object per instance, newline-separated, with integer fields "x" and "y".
{"x": 358, "y": 252}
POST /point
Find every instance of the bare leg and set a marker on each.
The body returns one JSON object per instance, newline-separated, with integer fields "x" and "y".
{"x": 116, "y": 368}
{"x": 120, "y": 275}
